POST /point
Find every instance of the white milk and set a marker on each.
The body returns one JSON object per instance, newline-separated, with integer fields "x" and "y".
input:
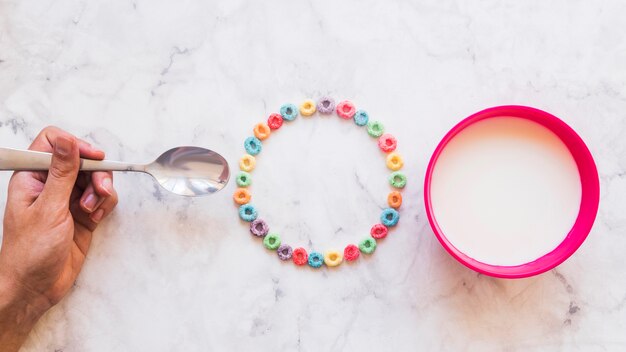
{"x": 505, "y": 191}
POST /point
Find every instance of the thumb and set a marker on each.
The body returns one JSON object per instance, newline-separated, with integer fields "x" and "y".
{"x": 62, "y": 173}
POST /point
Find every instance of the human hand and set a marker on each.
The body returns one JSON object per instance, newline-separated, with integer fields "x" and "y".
{"x": 48, "y": 225}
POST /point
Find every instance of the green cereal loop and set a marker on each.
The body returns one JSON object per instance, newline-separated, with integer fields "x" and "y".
{"x": 375, "y": 129}
{"x": 271, "y": 241}
{"x": 368, "y": 245}
{"x": 244, "y": 179}
{"x": 397, "y": 179}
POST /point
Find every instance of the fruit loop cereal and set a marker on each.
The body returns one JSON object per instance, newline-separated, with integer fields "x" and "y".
{"x": 241, "y": 196}
{"x": 394, "y": 162}
{"x": 326, "y": 105}
{"x": 375, "y": 128}
{"x": 333, "y": 258}
{"x": 247, "y": 212}
{"x": 259, "y": 227}
{"x": 275, "y": 121}
{"x": 262, "y": 131}
{"x": 346, "y": 110}
{"x": 316, "y": 260}
{"x": 289, "y": 112}
{"x": 386, "y": 142}
{"x": 252, "y": 145}
{"x": 361, "y": 118}
{"x": 300, "y": 256}
{"x": 351, "y": 252}
{"x": 271, "y": 241}
{"x": 307, "y": 108}
{"x": 247, "y": 163}
{"x": 389, "y": 217}
{"x": 243, "y": 179}
{"x": 394, "y": 199}
{"x": 379, "y": 231}
{"x": 284, "y": 252}
{"x": 397, "y": 179}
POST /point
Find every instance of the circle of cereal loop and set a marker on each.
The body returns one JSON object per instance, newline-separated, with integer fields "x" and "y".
{"x": 272, "y": 241}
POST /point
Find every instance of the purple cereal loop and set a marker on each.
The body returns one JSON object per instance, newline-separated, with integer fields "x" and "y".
{"x": 284, "y": 252}
{"x": 326, "y": 105}
{"x": 259, "y": 228}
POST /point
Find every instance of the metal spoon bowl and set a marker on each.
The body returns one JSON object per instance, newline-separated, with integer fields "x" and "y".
{"x": 186, "y": 171}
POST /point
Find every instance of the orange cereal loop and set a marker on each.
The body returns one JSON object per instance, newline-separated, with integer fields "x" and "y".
{"x": 247, "y": 163}
{"x": 394, "y": 199}
{"x": 261, "y": 131}
{"x": 241, "y": 196}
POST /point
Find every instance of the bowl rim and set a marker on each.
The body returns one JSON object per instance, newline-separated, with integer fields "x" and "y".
{"x": 590, "y": 193}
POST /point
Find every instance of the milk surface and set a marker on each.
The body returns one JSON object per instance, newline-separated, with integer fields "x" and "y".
{"x": 505, "y": 191}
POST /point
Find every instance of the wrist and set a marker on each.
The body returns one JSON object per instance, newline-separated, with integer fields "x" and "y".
{"x": 14, "y": 293}
{"x": 19, "y": 311}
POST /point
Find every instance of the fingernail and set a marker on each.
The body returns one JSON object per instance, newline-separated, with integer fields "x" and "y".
{"x": 97, "y": 216}
{"x": 63, "y": 146}
{"x": 90, "y": 202}
{"x": 107, "y": 184}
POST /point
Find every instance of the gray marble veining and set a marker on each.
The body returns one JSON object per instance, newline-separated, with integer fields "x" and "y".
{"x": 173, "y": 274}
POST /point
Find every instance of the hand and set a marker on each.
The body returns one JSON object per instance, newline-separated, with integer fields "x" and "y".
{"x": 48, "y": 225}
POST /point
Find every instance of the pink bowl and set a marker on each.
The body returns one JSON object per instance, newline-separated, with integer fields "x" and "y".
{"x": 588, "y": 205}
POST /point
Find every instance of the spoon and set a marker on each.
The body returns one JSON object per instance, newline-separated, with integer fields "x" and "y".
{"x": 186, "y": 171}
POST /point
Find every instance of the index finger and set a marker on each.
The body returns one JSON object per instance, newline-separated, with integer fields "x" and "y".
{"x": 45, "y": 140}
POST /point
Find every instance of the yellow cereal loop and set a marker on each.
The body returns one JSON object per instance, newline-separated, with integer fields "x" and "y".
{"x": 307, "y": 108}
{"x": 262, "y": 131}
{"x": 394, "y": 161}
{"x": 247, "y": 163}
{"x": 333, "y": 258}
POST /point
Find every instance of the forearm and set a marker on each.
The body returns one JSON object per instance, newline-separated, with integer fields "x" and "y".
{"x": 19, "y": 312}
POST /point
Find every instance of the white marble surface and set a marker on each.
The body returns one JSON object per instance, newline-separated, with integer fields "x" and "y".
{"x": 170, "y": 274}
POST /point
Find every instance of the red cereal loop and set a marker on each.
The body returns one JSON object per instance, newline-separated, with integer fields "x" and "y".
{"x": 299, "y": 256}
{"x": 351, "y": 252}
{"x": 346, "y": 109}
{"x": 387, "y": 143}
{"x": 378, "y": 231}
{"x": 275, "y": 121}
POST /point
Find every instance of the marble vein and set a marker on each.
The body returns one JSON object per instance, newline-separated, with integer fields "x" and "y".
{"x": 171, "y": 274}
